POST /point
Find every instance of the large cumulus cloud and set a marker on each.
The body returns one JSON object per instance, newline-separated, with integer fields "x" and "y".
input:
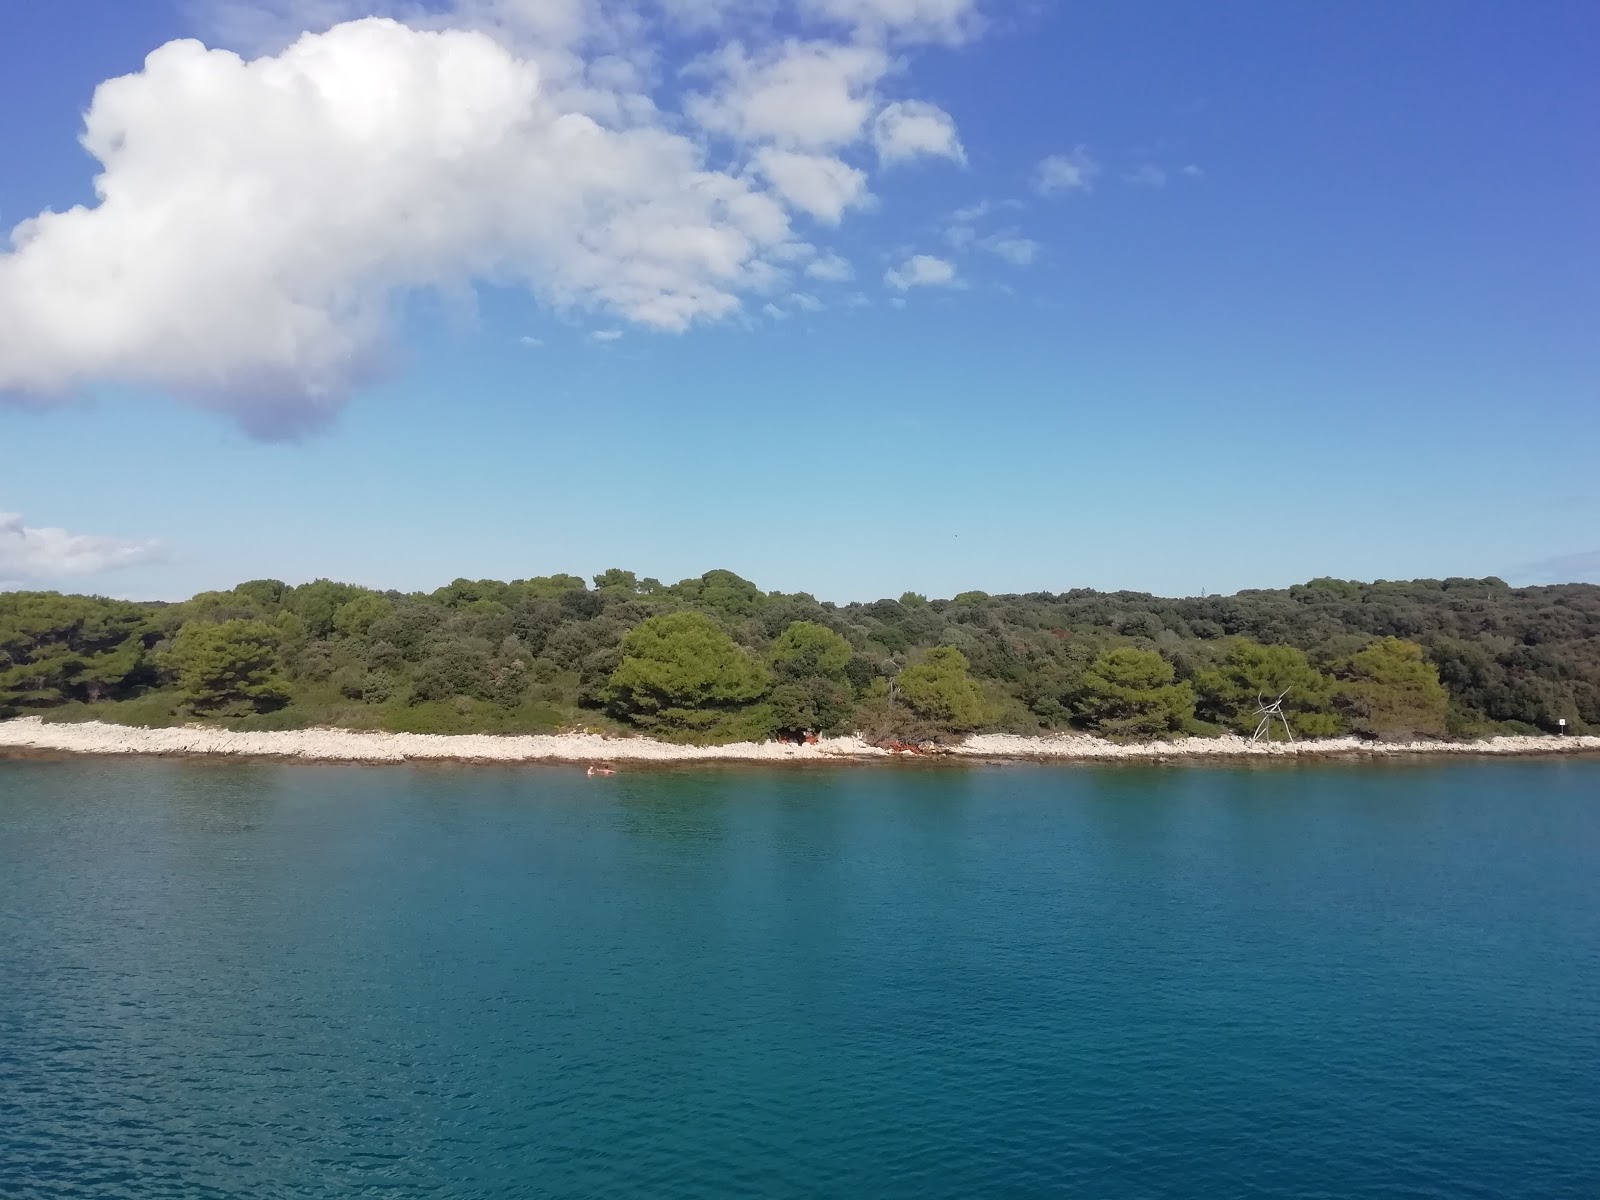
{"x": 260, "y": 220}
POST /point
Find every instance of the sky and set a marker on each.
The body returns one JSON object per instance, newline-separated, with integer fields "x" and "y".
{"x": 852, "y": 297}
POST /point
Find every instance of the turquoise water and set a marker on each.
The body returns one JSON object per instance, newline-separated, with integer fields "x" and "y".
{"x": 239, "y": 980}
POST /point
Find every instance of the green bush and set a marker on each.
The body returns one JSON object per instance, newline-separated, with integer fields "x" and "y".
{"x": 1134, "y": 693}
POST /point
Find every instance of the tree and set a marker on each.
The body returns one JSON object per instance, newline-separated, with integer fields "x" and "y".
{"x": 940, "y": 692}
{"x": 549, "y": 587}
{"x": 316, "y": 602}
{"x": 681, "y": 674}
{"x": 806, "y": 648}
{"x": 1508, "y": 659}
{"x": 1390, "y": 690}
{"x": 98, "y": 675}
{"x": 263, "y": 593}
{"x": 1230, "y": 692}
{"x": 228, "y": 668}
{"x": 235, "y": 605}
{"x": 1133, "y": 693}
{"x": 814, "y": 704}
{"x": 355, "y": 618}
{"x": 617, "y": 582}
{"x": 721, "y": 592}
{"x": 813, "y": 694}
{"x": 56, "y": 648}
{"x": 459, "y": 667}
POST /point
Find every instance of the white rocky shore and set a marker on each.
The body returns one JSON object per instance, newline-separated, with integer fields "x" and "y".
{"x": 30, "y": 734}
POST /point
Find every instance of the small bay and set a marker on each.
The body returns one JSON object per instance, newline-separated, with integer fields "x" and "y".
{"x": 223, "y": 979}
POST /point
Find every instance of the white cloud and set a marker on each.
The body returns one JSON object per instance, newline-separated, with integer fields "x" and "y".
{"x": 532, "y": 343}
{"x": 261, "y": 222}
{"x": 1058, "y": 173}
{"x": 258, "y": 220}
{"x": 815, "y": 183}
{"x": 604, "y": 336}
{"x": 831, "y": 268}
{"x": 911, "y": 128}
{"x": 29, "y": 554}
{"x": 983, "y": 208}
{"x": 805, "y": 302}
{"x": 1147, "y": 175}
{"x": 920, "y": 270}
{"x": 960, "y": 236}
{"x": 1010, "y": 245}
{"x": 931, "y": 20}
{"x": 800, "y": 95}
{"x": 1192, "y": 171}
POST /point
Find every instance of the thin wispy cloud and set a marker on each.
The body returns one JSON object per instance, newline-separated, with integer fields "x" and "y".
{"x": 1011, "y": 246}
{"x": 1060, "y": 174}
{"x": 30, "y": 554}
{"x": 831, "y": 268}
{"x": 921, "y": 270}
{"x": 983, "y": 208}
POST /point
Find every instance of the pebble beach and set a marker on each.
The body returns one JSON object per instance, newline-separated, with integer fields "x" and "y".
{"x": 33, "y": 735}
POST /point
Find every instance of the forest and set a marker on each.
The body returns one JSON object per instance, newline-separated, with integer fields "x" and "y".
{"x": 716, "y": 659}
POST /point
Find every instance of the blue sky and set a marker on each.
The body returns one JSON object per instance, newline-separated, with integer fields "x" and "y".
{"x": 1316, "y": 291}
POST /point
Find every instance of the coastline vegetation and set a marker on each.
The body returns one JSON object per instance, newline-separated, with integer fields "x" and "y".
{"x": 715, "y": 659}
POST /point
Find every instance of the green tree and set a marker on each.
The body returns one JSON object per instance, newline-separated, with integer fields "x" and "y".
{"x": 234, "y": 605}
{"x": 228, "y": 668}
{"x": 813, "y": 692}
{"x": 941, "y": 693}
{"x": 101, "y": 674}
{"x": 315, "y": 603}
{"x": 617, "y": 582}
{"x": 459, "y": 667}
{"x": 56, "y": 648}
{"x": 1230, "y": 692}
{"x": 1390, "y": 690}
{"x": 1134, "y": 693}
{"x": 813, "y": 704}
{"x": 265, "y": 594}
{"x": 806, "y": 648}
{"x": 681, "y": 675}
{"x": 356, "y": 617}
{"x": 721, "y": 592}
{"x": 549, "y": 587}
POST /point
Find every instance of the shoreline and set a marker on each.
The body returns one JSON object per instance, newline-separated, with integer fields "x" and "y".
{"x": 28, "y": 735}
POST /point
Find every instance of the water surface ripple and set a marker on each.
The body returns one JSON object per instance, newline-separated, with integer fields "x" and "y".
{"x": 246, "y": 980}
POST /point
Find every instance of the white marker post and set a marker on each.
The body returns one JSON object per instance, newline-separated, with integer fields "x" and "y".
{"x": 1561, "y": 723}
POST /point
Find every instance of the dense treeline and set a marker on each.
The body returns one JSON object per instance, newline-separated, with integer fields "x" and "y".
{"x": 716, "y": 659}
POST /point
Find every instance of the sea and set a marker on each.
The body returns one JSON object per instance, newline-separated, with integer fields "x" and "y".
{"x": 1353, "y": 981}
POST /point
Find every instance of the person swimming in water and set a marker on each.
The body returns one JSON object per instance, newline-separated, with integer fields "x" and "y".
{"x": 598, "y": 769}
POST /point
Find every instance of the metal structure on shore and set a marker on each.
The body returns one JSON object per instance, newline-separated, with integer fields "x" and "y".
{"x": 1269, "y": 713}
